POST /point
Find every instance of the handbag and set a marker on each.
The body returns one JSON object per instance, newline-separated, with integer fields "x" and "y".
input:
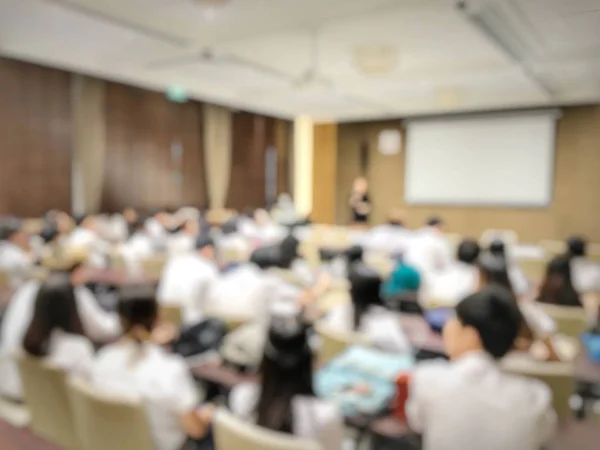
{"x": 200, "y": 338}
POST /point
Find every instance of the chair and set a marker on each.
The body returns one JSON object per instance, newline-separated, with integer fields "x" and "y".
{"x": 334, "y": 342}
{"x": 45, "y": 393}
{"x": 557, "y": 375}
{"x": 106, "y": 423}
{"x": 153, "y": 267}
{"x": 171, "y": 313}
{"x": 570, "y": 321}
{"x": 231, "y": 433}
{"x": 509, "y": 237}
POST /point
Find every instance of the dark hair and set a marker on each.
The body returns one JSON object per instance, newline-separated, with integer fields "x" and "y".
{"x": 557, "y": 286}
{"x": 288, "y": 251}
{"x": 55, "y": 309}
{"x": 286, "y": 371}
{"x": 204, "y": 241}
{"x": 80, "y": 218}
{"x": 497, "y": 248}
{"x": 434, "y": 221}
{"x": 494, "y": 270}
{"x": 137, "y": 307}
{"x": 9, "y": 227}
{"x": 468, "y": 251}
{"x": 576, "y": 246}
{"x": 230, "y": 226}
{"x": 354, "y": 254}
{"x": 365, "y": 288}
{"x": 494, "y": 313}
{"x": 49, "y": 232}
{"x": 177, "y": 228}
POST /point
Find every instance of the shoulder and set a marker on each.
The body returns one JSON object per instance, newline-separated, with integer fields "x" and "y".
{"x": 78, "y": 345}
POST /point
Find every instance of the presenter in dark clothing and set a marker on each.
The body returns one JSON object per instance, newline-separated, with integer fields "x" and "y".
{"x": 360, "y": 202}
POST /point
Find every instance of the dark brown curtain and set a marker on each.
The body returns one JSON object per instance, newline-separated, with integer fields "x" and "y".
{"x": 35, "y": 139}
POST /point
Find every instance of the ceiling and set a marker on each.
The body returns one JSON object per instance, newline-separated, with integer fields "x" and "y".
{"x": 330, "y": 59}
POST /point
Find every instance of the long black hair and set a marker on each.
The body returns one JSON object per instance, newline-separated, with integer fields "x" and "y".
{"x": 55, "y": 309}
{"x": 493, "y": 270}
{"x": 288, "y": 251}
{"x": 557, "y": 286}
{"x": 365, "y": 287}
{"x": 286, "y": 371}
{"x": 138, "y": 311}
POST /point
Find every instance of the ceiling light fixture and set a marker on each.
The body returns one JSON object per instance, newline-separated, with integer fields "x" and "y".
{"x": 211, "y": 8}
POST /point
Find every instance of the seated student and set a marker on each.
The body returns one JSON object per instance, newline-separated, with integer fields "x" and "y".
{"x": 231, "y": 240}
{"x": 156, "y": 227}
{"x": 181, "y": 238}
{"x": 557, "y": 288}
{"x": 85, "y": 233}
{"x": 585, "y": 274}
{"x": 404, "y": 281}
{"x": 459, "y": 279}
{"x": 186, "y": 280}
{"x": 284, "y": 212}
{"x": 284, "y": 400}
{"x": 15, "y": 261}
{"x": 138, "y": 369}
{"x": 56, "y": 330}
{"x": 517, "y": 278}
{"x": 391, "y": 238}
{"x": 469, "y": 402}
{"x": 98, "y": 325}
{"x": 138, "y": 247}
{"x": 263, "y": 230}
{"x": 366, "y": 314}
{"x": 428, "y": 250}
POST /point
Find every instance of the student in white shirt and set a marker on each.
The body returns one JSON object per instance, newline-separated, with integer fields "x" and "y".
{"x": 56, "y": 332}
{"x": 85, "y": 234}
{"x": 428, "y": 250}
{"x": 585, "y": 273}
{"x": 182, "y": 238}
{"x": 470, "y": 402}
{"x": 138, "y": 247}
{"x": 15, "y": 261}
{"x": 99, "y": 326}
{"x": 156, "y": 226}
{"x": 459, "y": 279}
{"x": 284, "y": 399}
{"x": 138, "y": 369}
{"x": 518, "y": 280}
{"x": 366, "y": 314}
{"x": 391, "y": 238}
{"x": 557, "y": 287}
{"x": 186, "y": 280}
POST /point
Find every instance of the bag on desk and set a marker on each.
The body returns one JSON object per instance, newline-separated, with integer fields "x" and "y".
{"x": 362, "y": 366}
{"x": 200, "y": 338}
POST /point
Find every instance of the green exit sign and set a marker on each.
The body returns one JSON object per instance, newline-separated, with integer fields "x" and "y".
{"x": 176, "y": 94}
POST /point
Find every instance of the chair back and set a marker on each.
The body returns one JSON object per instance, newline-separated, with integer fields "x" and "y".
{"x": 558, "y": 376}
{"x": 172, "y": 314}
{"x": 231, "y": 433}
{"x": 334, "y": 342}
{"x": 105, "y": 423}
{"x": 570, "y": 321}
{"x": 45, "y": 394}
{"x": 152, "y": 267}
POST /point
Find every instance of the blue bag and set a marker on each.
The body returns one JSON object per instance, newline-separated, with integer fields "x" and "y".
{"x": 591, "y": 342}
{"x": 362, "y": 366}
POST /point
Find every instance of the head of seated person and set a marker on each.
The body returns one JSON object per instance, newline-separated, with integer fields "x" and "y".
{"x": 137, "y": 227}
{"x": 55, "y": 311}
{"x": 49, "y": 234}
{"x": 138, "y": 312}
{"x": 130, "y": 215}
{"x": 486, "y": 321}
{"x": 86, "y": 221}
{"x": 403, "y": 283}
{"x": 365, "y": 290}
{"x": 354, "y": 255}
{"x": 329, "y": 254}
{"x": 435, "y": 223}
{"x": 288, "y": 251}
{"x": 576, "y": 247}
{"x": 265, "y": 257}
{"x": 205, "y": 247}
{"x": 497, "y": 248}
{"x": 493, "y": 270}
{"x": 557, "y": 287}
{"x": 230, "y": 226}
{"x": 286, "y": 372}
{"x": 261, "y": 217}
{"x": 396, "y": 217}
{"x": 468, "y": 251}
{"x": 11, "y": 230}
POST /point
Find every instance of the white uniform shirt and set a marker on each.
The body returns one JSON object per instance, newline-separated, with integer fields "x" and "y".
{"x": 429, "y": 252}
{"x": 585, "y": 275}
{"x": 518, "y": 280}
{"x": 138, "y": 248}
{"x": 185, "y": 281}
{"x": 471, "y": 404}
{"x": 98, "y": 325}
{"x": 453, "y": 284}
{"x": 15, "y": 262}
{"x": 157, "y": 232}
{"x": 388, "y": 239}
{"x": 381, "y": 327}
{"x": 313, "y": 418}
{"x": 162, "y": 381}
{"x": 72, "y": 353}
{"x": 180, "y": 243}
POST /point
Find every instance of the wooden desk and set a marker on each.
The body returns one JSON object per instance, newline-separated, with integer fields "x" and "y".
{"x": 116, "y": 277}
{"x": 225, "y": 377}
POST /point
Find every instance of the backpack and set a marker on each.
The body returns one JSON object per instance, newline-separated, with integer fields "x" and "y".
{"x": 360, "y": 366}
{"x": 200, "y": 338}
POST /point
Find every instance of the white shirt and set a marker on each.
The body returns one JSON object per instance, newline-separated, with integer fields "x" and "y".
{"x": 15, "y": 262}
{"x": 156, "y": 231}
{"x": 99, "y": 326}
{"x": 162, "y": 381}
{"x": 72, "y": 353}
{"x": 429, "y": 252}
{"x": 518, "y": 280}
{"x": 453, "y": 284}
{"x": 381, "y": 327}
{"x": 585, "y": 275}
{"x": 82, "y": 237}
{"x": 388, "y": 239}
{"x": 312, "y": 418}
{"x": 471, "y": 404}
{"x": 180, "y": 243}
{"x": 185, "y": 281}
{"x": 138, "y": 248}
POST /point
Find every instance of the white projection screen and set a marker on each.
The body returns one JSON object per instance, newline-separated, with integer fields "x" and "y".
{"x": 504, "y": 160}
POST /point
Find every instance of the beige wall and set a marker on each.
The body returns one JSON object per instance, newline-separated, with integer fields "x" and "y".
{"x": 324, "y": 172}
{"x": 576, "y": 201}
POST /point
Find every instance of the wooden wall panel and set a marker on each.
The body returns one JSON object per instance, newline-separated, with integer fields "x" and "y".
{"x": 575, "y": 204}
{"x": 325, "y": 141}
{"x": 35, "y": 133}
{"x": 154, "y": 154}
